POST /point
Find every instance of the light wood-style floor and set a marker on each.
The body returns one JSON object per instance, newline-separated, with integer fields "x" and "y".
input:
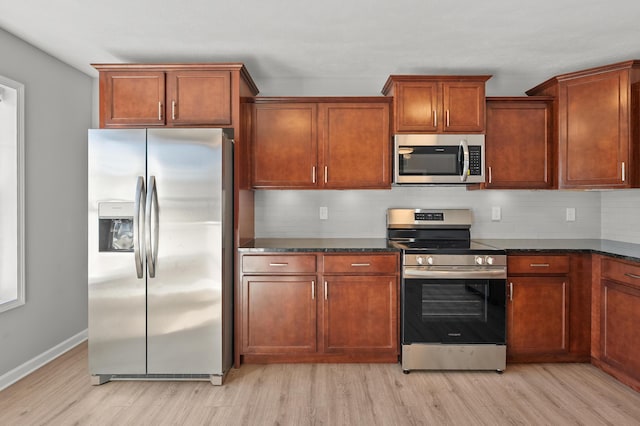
{"x": 324, "y": 394}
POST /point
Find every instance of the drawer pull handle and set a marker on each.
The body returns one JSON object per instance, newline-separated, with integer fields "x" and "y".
{"x": 539, "y": 265}
{"x": 360, "y": 264}
{"x": 630, "y": 275}
{"x": 313, "y": 289}
{"x": 326, "y": 291}
{"x": 278, "y": 264}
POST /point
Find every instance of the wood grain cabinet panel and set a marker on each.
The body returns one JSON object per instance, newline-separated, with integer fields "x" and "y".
{"x": 360, "y": 264}
{"x": 321, "y": 143}
{"x": 538, "y": 315}
{"x": 548, "y": 308}
{"x": 285, "y": 145}
{"x": 437, "y": 104}
{"x": 199, "y": 98}
{"x": 293, "y": 313}
{"x": 356, "y": 145}
{"x": 519, "y": 143}
{"x": 360, "y": 314}
{"x": 620, "y": 332}
{"x": 279, "y": 314}
{"x": 616, "y": 310}
{"x": 597, "y": 125}
{"x": 132, "y": 98}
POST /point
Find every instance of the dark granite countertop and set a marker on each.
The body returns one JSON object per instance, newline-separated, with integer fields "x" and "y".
{"x": 294, "y": 245}
{"x": 628, "y": 251}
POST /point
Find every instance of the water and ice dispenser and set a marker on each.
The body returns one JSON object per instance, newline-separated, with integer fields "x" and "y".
{"x": 116, "y": 226}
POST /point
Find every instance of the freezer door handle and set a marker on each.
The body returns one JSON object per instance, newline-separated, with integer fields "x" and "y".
{"x": 152, "y": 226}
{"x": 138, "y": 226}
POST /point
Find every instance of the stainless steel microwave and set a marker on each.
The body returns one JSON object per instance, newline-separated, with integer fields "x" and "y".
{"x": 438, "y": 159}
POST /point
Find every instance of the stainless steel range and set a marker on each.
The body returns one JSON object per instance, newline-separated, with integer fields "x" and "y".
{"x": 453, "y": 292}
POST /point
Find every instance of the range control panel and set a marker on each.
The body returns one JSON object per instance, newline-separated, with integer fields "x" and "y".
{"x": 429, "y": 216}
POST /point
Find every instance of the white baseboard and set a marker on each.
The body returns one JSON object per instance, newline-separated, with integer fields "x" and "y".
{"x": 33, "y": 364}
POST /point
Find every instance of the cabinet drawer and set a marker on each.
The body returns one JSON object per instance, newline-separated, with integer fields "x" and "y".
{"x": 361, "y": 263}
{"x": 278, "y": 264}
{"x": 546, "y": 264}
{"x": 622, "y": 272}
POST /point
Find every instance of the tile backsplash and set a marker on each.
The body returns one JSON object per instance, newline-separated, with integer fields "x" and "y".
{"x": 524, "y": 214}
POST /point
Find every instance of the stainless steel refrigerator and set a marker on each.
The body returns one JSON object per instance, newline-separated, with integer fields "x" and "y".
{"x": 160, "y": 254}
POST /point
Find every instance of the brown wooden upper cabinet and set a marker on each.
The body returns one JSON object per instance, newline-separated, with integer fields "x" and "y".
{"x": 519, "y": 143}
{"x": 189, "y": 95}
{"x": 314, "y": 143}
{"x": 437, "y": 104}
{"x": 597, "y": 125}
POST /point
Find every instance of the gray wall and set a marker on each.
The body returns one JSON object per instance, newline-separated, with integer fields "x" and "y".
{"x": 525, "y": 214}
{"x": 57, "y": 115}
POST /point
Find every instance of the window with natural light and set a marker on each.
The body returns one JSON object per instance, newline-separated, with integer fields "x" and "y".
{"x": 11, "y": 194}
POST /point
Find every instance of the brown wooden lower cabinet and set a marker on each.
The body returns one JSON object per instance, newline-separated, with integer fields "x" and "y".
{"x": 279, "y": 314}
{"x": 538, "y": 316}
{"x": 319, "y": 307}
{"x": 616, "y": 309}
{"x": 548, "y": 315}
{"x": 360, "y": 314}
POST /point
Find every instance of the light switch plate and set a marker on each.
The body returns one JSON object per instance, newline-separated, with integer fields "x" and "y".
{"x": 571, "y": 214}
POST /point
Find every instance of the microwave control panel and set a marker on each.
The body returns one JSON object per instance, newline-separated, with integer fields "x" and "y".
{"x": 475, "y": 161}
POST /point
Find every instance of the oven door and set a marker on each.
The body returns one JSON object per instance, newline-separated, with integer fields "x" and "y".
{"x": 454, "y": 310}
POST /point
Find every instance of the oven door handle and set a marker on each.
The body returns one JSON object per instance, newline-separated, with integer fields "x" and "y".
{"x": 448, "y": 273}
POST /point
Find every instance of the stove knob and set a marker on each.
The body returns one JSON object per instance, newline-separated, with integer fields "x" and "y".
{"x": 479, "y": 260}
{"x": 430, "y": 260}
{"x": 420, "y": 260}
{"x": 489, "y": 260}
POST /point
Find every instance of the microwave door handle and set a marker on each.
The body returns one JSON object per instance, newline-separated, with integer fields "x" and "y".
{"x": 465, "y": 160}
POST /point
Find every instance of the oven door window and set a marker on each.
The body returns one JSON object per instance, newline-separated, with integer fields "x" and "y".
{"x": 430, "y": 161}
{"x": 454, "y": 311}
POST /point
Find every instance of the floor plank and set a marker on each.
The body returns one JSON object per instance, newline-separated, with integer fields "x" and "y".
{"x": 324, "y": 394}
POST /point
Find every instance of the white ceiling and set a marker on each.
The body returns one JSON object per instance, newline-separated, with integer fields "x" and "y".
{"x": 352, "y": 45}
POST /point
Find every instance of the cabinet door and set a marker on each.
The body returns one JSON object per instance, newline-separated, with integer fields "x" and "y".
{"x": 594, "y": 131}
{"x": 278, "y": 314}
{"x": 463, "y": 107}
{"x": 416, "y": 108}
{"x": 132, "y": 99}
{"x": 285, "y": 146}
{"x": 355, "y": 144}
{"x": 360, "y": 314}
{"x": 537, "y": 315}
{"x": 199, "y": 98}
{"x": 620, "y": 316}
{"x": 518, "y": 145}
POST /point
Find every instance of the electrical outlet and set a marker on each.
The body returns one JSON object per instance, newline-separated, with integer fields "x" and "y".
{"x": 571, "y": 214}
{"x": 496, "y": 214}
{"x": 324, "y": 213}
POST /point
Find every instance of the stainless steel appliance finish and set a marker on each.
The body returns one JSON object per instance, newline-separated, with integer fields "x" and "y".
{"x": 438, "y": 159}
{"x": 453, "y": 292}
{"x": 160, "y": 253}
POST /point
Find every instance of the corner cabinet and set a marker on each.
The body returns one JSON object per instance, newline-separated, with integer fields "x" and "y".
{"x": 321, "y": 143}
{"x": 616, "y": 315}
{"x": 597, "y": 125}
{"x": 317, "y": 307}
{"x": 187, "y": 95}
{"x": 519, "y": 143}
{"x": 437, "y": 104}
{"x": 547, "y": 307}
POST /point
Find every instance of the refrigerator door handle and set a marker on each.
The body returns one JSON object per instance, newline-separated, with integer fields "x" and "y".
{"x": 153, "y": 227}
{"x": 138, "y": 226}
